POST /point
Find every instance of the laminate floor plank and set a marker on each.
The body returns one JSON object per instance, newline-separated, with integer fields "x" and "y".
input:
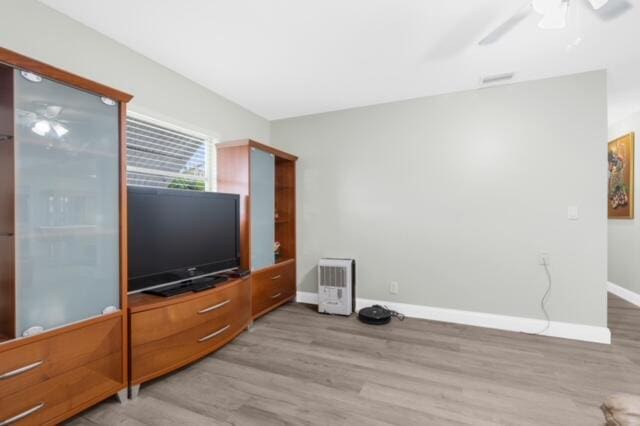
{"x": 300, "y": 368}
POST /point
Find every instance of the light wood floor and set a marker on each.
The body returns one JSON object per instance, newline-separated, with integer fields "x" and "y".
{"x": 299, "y": 367}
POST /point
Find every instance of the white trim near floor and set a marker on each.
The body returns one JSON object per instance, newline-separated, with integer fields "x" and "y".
{"x": 587, "y": 333}
{"x": 623, "y": 293}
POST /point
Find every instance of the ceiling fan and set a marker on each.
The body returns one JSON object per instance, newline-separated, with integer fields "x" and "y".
{"x": 553, "y": 12}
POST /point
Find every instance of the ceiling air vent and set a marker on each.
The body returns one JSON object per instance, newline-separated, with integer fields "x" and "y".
{"x": 496, "y": 78}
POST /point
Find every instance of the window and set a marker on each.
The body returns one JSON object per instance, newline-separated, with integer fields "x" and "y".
{"x": 161, "y": 155}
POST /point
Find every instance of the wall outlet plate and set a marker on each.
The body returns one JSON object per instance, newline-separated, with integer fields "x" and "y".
{"x": 544, "y": 258}
{"x": 393, "y": 287}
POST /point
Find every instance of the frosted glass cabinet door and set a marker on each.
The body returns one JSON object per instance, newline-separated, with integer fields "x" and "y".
{"x": 67, "y": 204}
{"x": 263, "y": 205}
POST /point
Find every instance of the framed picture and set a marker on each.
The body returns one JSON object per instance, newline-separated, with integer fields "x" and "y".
{"x": 621, "y": 166}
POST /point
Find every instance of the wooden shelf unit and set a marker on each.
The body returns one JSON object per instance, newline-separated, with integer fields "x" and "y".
{"x": 274, "y": 284}
{"x": 286, "y": 206}
{"x": 54, "y": 375}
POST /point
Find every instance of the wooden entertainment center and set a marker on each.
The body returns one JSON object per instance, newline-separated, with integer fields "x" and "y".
{"x": 168, "y": 333}
{"x": 63, "y": 275}
{"x": 265, "y": 178}
{"x": 95, "y": 340}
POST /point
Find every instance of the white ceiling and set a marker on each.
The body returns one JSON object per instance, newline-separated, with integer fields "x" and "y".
{"x": 285, "y": 58}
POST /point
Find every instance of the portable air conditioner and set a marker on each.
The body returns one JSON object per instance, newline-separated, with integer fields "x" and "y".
{"x": 336, "y": 286}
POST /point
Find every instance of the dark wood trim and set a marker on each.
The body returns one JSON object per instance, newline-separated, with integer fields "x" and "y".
{"x": 248, "y": 231}
{"x": 261, "y": 146}
{"x": 124, "y": 256}
{"x": 294, "y": 225}
{"x": 7, "y": 201}
{"x": 20, "y": 61}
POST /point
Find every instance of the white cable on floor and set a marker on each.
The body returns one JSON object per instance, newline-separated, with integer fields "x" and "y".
{"x": 543, "y": 301}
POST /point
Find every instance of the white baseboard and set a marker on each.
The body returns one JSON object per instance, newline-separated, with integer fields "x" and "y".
{"x": 623, "y": 293}
{"x": 587, "y": 333}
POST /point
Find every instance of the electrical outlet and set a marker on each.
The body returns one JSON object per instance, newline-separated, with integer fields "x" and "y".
{"x": 393, "y": 287}
{"x": 544, "y": 258}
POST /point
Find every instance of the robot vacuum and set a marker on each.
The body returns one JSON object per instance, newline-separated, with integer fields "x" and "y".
{"x": 375, "y": 315}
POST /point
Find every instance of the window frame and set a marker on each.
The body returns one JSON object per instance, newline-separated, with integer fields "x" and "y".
{"x": 210, "y": 140}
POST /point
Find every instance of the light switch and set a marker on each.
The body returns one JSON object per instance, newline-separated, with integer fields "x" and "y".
{"x": 572, "y": 213}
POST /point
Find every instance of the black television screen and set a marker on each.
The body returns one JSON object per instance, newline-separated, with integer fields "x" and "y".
{"x": 176, "y": 235}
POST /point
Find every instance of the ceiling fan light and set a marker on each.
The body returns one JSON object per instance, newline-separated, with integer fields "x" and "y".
{"x": 41, "y": 127}
{"x": 597, "y": 4}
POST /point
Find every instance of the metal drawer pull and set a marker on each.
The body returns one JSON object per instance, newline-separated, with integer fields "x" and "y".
{"x": 19, "y": 371}
{"x": 214, "y": 307}
{"x": 276, "y": 277}
{"x": 212, "y": 335}
{"x": 275, "y": 296}
{"x": 22, "y": 415}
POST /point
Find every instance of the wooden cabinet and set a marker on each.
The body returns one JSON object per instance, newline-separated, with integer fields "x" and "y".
{"x": 168, "y": 333}
{"x": 273, "y": 286}
{"x": 265, "y": 178}
{"x": 61, "y": 373}
{"x": 63, "y": 323}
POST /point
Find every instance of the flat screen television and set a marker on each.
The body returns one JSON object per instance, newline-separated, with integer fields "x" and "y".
{"x": 176, "y": 235}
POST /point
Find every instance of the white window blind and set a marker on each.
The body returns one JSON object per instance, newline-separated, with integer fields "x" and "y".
{"x": 161, "y": 155}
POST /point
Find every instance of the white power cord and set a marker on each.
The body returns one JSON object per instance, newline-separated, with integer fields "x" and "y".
{"x": 543, "y": 301}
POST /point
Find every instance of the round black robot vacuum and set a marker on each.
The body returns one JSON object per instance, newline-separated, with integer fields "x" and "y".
{"x": 376, "y": 315}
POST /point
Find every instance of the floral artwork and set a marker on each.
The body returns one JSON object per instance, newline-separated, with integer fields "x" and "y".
{"x": 621, "y": 165}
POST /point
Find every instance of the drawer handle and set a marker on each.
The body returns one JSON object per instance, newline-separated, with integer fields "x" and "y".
{"x": 276, "y": 277}
{"x": 19, "y": 371}
{"x": 214, "y": 307}
{"x": 212, "y": 335}
{"x": 275, "y": 296}
{"x": 22, "y": 415}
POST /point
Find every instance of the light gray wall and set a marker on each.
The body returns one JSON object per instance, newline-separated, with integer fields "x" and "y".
{"x": 624, "y": 235}
{"x": 32, "y": 29}
{"x": 453, "y": 197}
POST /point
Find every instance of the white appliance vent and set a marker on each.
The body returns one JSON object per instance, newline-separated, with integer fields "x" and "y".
{"x": 336, "y": 286}
{"x": 333, "y": 276}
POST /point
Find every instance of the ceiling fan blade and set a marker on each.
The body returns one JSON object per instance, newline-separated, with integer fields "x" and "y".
{"x": 507, "y": 25}
{"x": 597, "y": 4}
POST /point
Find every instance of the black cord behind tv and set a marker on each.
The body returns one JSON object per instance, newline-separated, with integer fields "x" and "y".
{"x": 178, "y": 235}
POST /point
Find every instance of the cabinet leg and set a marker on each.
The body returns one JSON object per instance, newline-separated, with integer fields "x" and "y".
{"x": 133, "y": 391}
{"x": 250, "y": 326}
{"x": 122, "y": 396}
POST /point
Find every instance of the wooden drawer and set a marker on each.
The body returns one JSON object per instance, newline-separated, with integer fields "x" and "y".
{"x": 29, "y": 364}
{"x": 207, "y": 332}
{"x": 50, "y": 401}
{"x": 156, "y": 324}
{"x": 271, "y": 286}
